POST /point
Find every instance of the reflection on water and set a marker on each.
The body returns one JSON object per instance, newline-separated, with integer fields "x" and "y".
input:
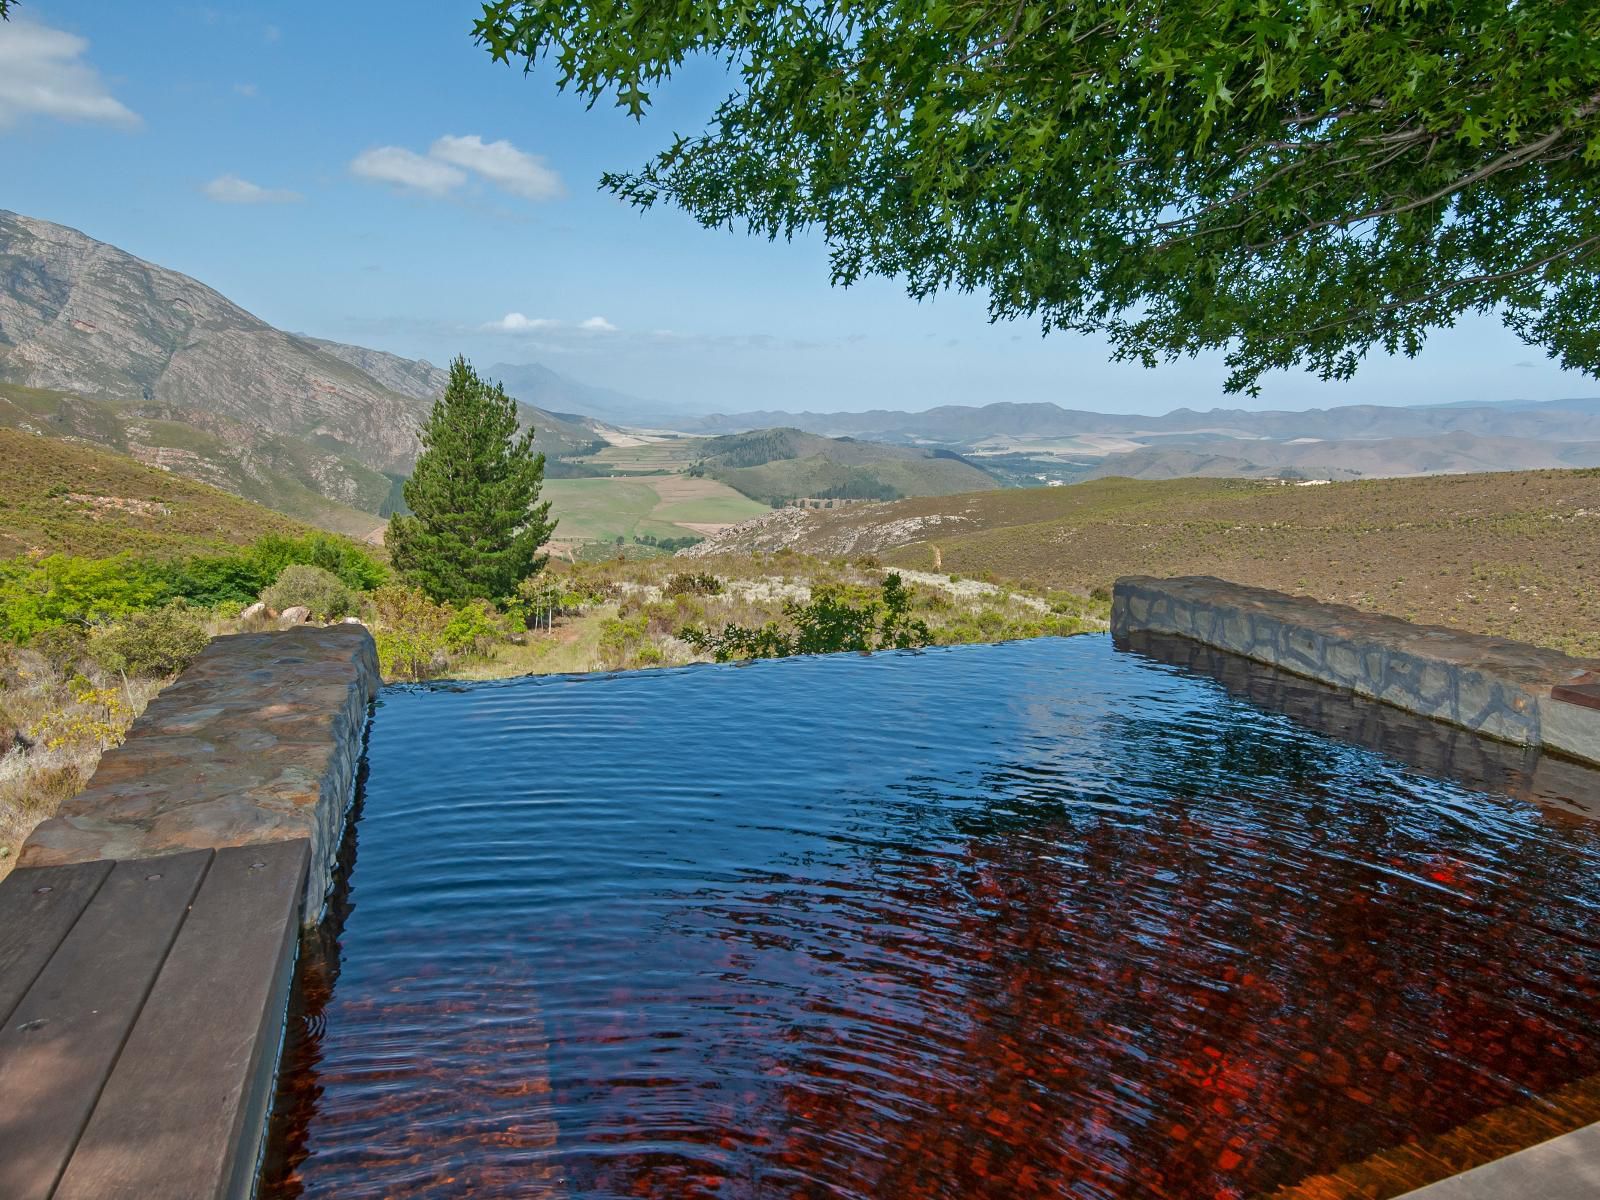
{"x": 1032, "y": 920}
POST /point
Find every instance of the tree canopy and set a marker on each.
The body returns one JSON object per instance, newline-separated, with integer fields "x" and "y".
{"x": 476, "y": 522}
{"x": 1296, "y": 182}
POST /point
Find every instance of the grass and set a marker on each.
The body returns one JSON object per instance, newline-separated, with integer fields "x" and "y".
{"x": 1511, "y": 554}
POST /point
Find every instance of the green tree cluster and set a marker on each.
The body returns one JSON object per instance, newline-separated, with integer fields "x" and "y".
{"x": 1295, "y": 183}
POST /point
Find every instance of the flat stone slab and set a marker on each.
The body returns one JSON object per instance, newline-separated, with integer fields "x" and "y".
{"x": 257, "y": 742}
{"x": 1526, "y": 695}
{"x": 1564, "y": 1168}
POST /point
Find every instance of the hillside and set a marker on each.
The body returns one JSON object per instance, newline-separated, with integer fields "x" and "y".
{"x": 774, "y": 466}
{"x": 146, "y": 361}
{"x": 1512, "y": 555}
{"x": 57, "y": 496}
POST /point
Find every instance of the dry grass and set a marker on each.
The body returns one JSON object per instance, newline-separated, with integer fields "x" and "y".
{"x": 56, "y": 719}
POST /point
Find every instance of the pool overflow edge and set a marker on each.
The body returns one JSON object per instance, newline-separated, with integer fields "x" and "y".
{"x": 149, "y": 934}
{"x": 234, "y": 788}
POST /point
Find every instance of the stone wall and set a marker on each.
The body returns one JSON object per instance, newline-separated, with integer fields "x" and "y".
{"x": 1526, "y": 695}
{"x": 257, "y": 742}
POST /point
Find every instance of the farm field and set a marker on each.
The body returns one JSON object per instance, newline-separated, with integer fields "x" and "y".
{"x": 662, "y": 506}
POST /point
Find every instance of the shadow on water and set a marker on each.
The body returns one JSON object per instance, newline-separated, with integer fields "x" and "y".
{"x": 316, "y": 977}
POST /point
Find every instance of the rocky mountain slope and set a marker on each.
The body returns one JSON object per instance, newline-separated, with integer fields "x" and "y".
{"x": 117, "y": 351}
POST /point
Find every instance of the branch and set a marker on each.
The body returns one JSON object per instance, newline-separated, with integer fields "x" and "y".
{"x": 1453, "y": 285}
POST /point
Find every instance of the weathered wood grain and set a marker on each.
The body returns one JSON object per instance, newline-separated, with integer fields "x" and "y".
{"x": 63, "y": 1038}
{"x": 182, "y": 1115}
{"x": 38, "y": 907}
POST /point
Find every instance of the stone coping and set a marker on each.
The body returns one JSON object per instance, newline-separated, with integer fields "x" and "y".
{"x": 1508, "y": 690}
{"x": 257, "y": 742}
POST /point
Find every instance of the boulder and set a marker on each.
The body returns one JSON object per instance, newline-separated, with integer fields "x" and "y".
{"x": 297, "y": 614}
{"x": 258, "y": 609}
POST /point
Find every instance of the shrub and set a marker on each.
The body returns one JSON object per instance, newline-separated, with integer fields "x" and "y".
{"x": 355, "y": 568}
{"x": 409, "y": 630}
{"x": 323, "y": 592}
{"x": 474, "y": 628}
{"x": 160, "y": 642}
{"x": 62, "y": 588}
{"x": 694, "y": 583}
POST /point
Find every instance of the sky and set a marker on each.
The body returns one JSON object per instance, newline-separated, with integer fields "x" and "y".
{"x": 366, "y": 173}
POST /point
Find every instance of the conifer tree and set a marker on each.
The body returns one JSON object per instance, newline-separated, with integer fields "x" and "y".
{"x": 476, "y": 523}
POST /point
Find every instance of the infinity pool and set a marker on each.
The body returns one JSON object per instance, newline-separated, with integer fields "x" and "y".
{"x": 1043, "y": 919}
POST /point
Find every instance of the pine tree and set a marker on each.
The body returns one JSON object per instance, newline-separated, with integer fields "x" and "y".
{"x": 477, "y": 522}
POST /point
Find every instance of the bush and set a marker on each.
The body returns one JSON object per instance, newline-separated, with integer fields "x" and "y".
{"x": 323, "y": 592}
{"x": 61, "y": 589}
{"x": 694, "y": 583}
{"x": 410, "y": 631}
{"x": 355, "y": 568}
{"x": 159, "y": 642}
{"x": 474, "y": 629}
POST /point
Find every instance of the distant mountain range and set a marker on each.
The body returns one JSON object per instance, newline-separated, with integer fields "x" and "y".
{"x": 102, "y": 347}
{"x": 1336, "y": 443}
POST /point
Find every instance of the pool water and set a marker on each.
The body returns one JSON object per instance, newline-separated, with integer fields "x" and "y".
{"x": 1043, "y": 919}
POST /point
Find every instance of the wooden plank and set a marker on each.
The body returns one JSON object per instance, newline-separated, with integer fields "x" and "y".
{"x": 38, "y": 906}
{"x": 184, "y": 1110}
{"x": 62, "y": 1040}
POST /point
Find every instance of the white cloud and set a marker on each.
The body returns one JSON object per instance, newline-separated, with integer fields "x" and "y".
{"x": 444, "y": 168}
{"x": 407, "y": 169}
{"x": 597, "y": 325}
{"x": 230, "y": 189}
{"x": 41, "y": 74}
{"x": 517, "y": 323}
{"x": 503, "y": 165}
{"x": 245, "y": 89}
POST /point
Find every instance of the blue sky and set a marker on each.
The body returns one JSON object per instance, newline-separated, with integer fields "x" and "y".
{"x": 365, "y": 173}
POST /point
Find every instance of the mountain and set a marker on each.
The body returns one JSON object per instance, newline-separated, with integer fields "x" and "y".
{"x": 535, "y": 384}
{"x": 1551, "y": 420}
{"x": 558, "y": 434}
{"x": 100, "y": 346}
{"x": 61, "y": 497}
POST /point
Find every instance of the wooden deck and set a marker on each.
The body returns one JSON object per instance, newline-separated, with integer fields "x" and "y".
{"x": 141, "y": 1012}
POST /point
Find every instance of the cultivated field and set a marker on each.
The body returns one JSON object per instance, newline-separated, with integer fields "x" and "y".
{"x": 663, "y": 506}
{"x": 1510, "y": 554}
